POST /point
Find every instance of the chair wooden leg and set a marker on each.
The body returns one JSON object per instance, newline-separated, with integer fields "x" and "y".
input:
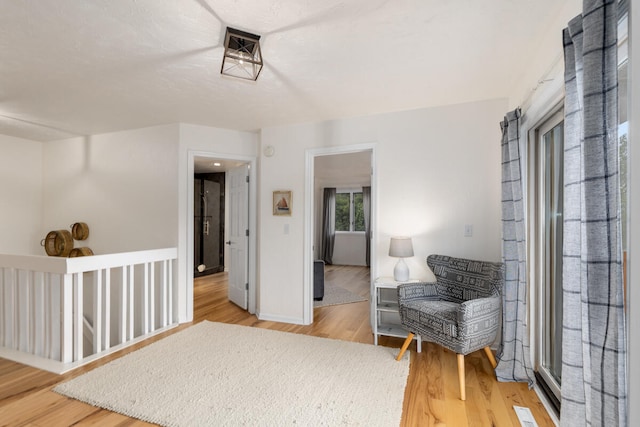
{"x": 492, "y": 359}
{"x": 463, "y": 394}
{"x": 405, "y": 345}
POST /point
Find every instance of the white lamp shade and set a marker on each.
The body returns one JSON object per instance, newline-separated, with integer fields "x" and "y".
{"x": 401, "y": 247}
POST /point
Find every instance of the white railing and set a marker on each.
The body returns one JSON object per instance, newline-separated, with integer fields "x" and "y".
{"x": 59, "y": 313}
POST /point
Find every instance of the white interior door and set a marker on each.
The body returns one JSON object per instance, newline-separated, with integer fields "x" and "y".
{"x": 239, "y": 236}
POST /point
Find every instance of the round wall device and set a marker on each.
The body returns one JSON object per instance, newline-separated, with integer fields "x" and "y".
{"x": 269, "y": 151}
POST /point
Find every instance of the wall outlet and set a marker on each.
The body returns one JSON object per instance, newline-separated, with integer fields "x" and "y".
{"x": 468, "y": 230}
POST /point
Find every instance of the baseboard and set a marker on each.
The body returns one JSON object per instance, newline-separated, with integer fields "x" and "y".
{"x": 281, "y": 319}
{"x": 58, "y": 367}
{"x": 32, "y": 360}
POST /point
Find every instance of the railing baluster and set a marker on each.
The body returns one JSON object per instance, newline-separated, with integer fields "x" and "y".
{"x": 78, "y": 321}
{"x": 66, "y": 346}
{"x": 131, "y": 301}
{"x": 38, "y": 280}
{"x": 107, "y": 309}
{"x": 122, "y": 335}
{"x": 97, "y": 312}
{"x": 170, "y": 290}
{"x": 30, "y": 314}
{"x": 145, "y": 300}
{"x": 163, "y": 293}
{"x": 10, "y": 306}
{"x": 152, "y": 296}
{"x": 48, "y": 319}
{"x": 23, "y": 310}
{"x": 35, "y": 313}
{"x": 16, "y": 311}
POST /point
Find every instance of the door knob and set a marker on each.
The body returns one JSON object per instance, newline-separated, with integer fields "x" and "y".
{"x": 228, "y": 243}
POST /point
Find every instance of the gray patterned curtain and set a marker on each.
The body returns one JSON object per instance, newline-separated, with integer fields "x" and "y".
{"x": 514, "y": 362}
{"x": 593, "y": 332}
{"x": 328, "y": 224}
{"x": 366, "y": 207}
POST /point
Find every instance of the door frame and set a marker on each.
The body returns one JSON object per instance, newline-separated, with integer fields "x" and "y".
{"x": 309, "y": 218}
{"x": 192, "y": 154}
{"x": 538, "y": 239}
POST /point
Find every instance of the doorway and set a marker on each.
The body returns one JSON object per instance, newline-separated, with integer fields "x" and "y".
{"x": 206, "y": 164}
{"x": 335, "y": 167}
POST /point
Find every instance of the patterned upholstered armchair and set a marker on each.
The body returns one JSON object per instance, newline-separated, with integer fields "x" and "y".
{"x": 461, "y": 311}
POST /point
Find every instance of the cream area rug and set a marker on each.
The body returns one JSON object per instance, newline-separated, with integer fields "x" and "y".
{"x": 335, "y": 295}
{"x": 214, "y": 374}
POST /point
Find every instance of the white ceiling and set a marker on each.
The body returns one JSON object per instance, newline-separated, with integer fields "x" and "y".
{"x": 74, "y": 67}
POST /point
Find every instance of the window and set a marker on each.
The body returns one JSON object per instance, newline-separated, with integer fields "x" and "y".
{"x": 349, "y": 211}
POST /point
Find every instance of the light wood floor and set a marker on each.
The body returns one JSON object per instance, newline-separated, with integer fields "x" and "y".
{"x": 431, "y": 395}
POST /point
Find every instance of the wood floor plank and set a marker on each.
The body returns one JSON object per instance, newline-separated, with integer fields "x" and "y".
{"x": 424, "y": 398}
{"x": 106, "y": 418}
{"x": 431, "y": 396}
{"x": 455, "y": 409}
{"x": 500, "y": 408}
{"x": 31, "y": 408}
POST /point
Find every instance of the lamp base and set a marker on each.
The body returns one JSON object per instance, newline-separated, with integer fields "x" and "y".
{"x": 401, "y": 271}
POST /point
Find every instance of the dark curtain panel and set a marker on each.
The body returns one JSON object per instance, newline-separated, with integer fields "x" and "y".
{"x": 328, "y": 224}
{"x": 514, "y": 361}
{"x": 593, "y": 328}
{"x": 366, "y": 207}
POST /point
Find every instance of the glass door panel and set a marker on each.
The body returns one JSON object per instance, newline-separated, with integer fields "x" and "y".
{"x": 548, "y": 177}
{"x": 552, "y": 144}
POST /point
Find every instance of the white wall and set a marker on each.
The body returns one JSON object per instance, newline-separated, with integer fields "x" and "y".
{"x": 20, "y": 196}
{"x": 438, "y": 169}
{"x": 350, "y": 249}
{"x": 546, "y": 61}
{"x": 124, "y": 185}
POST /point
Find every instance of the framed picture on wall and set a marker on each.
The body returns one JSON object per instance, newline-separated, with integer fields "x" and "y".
{"x": 282, "y": 203}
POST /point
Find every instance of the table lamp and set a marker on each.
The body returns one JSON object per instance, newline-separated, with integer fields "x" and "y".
{"x": 401, "y": 247}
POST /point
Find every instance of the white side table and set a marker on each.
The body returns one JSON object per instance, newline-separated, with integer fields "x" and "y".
{"x": 387, "y": 316}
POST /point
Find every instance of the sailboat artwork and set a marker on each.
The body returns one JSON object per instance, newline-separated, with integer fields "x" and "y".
{"x": 282, "y": 202}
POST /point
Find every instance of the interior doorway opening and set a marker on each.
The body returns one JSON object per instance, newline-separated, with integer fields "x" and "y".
{"x": 229, "y": 202}
{"x": 350, "y": 171}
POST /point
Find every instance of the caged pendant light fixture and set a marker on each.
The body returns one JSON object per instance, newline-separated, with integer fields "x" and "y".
{"x": 242, "y": 55}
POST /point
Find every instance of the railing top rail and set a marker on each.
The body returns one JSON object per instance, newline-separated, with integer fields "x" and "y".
{"x": 88, "y": 263}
